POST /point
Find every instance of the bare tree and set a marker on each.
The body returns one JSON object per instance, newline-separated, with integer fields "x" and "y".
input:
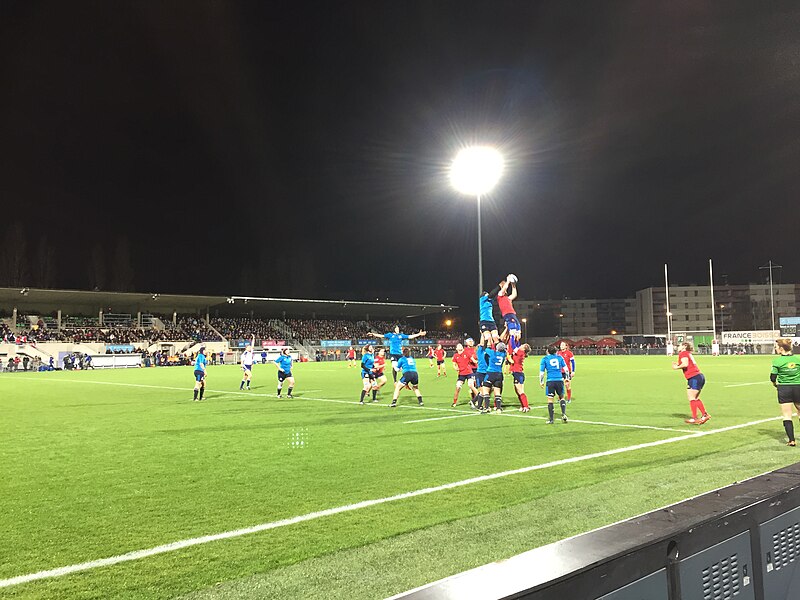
{"x": 14, "y": 259}
{"x": 122, "y": 275}
{"x": 97, "y": 268}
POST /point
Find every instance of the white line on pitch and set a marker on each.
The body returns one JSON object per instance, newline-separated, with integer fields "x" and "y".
{"x": 744, "y": 384}
{"x": 473, "y": 414}
{"x": 187, "y": 543}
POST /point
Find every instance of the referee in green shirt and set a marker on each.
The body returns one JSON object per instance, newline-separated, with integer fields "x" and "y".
{"x": 785, "y": 376}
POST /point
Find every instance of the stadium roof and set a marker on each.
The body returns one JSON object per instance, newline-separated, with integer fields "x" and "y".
{"x": 83, "y": 302}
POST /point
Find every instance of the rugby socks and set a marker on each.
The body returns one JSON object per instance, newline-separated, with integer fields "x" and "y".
{"x": 693, "y": 406}
{"x": 202, "y": 390}
{"x": 569, "y": 394}
{"x": 195, "y": 393}
{"x": 523, "y": 398}
{"x": 551, "y": 410}
{"x": 455, "y": 396}
{"x": 498, "y": 402}
{"x": 701, "y": 407}
{"x": 248, "y": 385}
{"x": 419, "y": 399}
{"x": 363, "y": 393}
{"x": 788, "y": 425}
{"x": 374, "y": 395}
{"x": 563, "y": 407}
{"x": 241, "y": 384}
{"x": 288, "y": 394}
{"x": 394, "y": 375}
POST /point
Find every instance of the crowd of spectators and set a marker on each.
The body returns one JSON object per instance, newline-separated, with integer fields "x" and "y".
{"x": 245, "y": 328}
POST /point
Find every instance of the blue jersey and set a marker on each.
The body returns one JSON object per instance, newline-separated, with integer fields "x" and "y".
{"x": 367, "y": 362}
{"x": 407, "y": 364}
{"x": 485, "y": 308}
{"x": 395, "y": 342}
{"x": 495, "y": 360}
{"x": 554, "y": 365}
{"x": 284, "y": 362}
{"x": 480, "y": 354}
{"x": 200, "y": 362}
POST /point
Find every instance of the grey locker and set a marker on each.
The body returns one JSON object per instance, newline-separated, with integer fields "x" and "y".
{"x": 720, "y": 572}
{"x": 651, "y": 587}
{"x": 780, "y": 547}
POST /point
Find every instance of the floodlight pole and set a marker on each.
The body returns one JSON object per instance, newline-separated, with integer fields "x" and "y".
{"x": 480, "y": 251}
{"x": 770, "y": 266}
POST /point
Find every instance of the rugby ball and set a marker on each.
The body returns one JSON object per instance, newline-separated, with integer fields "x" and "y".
{"x": 512, "y": 278}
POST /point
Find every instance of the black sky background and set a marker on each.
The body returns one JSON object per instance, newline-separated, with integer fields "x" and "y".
{"x": 310, "y": 142}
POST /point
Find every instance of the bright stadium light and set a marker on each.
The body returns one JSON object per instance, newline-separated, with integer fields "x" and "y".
{"x": 474, "y": 172}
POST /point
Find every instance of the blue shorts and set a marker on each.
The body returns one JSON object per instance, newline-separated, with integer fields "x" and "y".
{"x": 487, "y": 326}
{"x": 199, "y": 375}
{"x": 519, "y": 378}
{"x": 463, "y": 378}
{"x": 247, "y": 367}
{"x": 555, "y": 388}
{"x": 512, "y": 322}
{"x": 479, "y": 377}
{"x": 395, "y": 357}
{"x": 696, "y": 383}
{"x": 367, "y": 375}
{"x": 410, "y": 377}
{"x": 283, "y": 375}
{"x": 493, "y": 380}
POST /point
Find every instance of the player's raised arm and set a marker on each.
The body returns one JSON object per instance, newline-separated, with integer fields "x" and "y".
{"x": 375, "y": 335}
{"x": 513, "y": 295}
{"x": 420, "y": 333}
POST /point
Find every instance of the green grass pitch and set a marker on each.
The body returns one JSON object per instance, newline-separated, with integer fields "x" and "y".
{"x": 100, "y": 463}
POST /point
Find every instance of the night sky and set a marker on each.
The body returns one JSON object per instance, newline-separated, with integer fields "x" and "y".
{"x": 301, "y": 148}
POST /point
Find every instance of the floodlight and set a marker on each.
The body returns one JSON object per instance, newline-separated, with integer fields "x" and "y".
{"x": 476, "y": 170}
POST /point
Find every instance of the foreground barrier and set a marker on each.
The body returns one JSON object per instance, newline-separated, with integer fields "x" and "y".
{"x": 741, "y": 542}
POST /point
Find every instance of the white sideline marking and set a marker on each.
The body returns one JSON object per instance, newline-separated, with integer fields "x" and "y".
{"x": 472, "y": 414}
{"x": 744, "y": 384}
{"x": 187, "y": 543}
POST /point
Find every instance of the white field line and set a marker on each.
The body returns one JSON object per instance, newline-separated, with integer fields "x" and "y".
{"x": 187, "y": 543}
{"x": 473, "y": 414}
{"x": 744, "y": 384}
{"x": 352, "y": 402}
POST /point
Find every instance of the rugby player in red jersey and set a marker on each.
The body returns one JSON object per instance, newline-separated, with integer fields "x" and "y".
{"x": 465, "y": 364}
{"x": 439, "y": 353}
{"x": 380, "y": 376}
{"x": 695, "y": 381}
{"x": 505, "y": 302}
{"x": 351, "y": 357}
{"x": 517, "y": 358}
{"x": 569, "y": 358}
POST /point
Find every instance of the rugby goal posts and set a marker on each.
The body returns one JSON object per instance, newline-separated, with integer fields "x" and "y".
{"x": 701, "y": 339}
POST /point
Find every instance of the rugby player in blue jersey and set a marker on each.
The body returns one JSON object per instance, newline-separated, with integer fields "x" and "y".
{"x": 486, "y": 322}
{"x": 480, "y": 375}
{"x": 395, "y": 339}
{"x": 284, "y": 362}
{"x": 409, "y": 378}
{"x": 200, "y": 374}
{"x": 367, "y": 370}
{"x": 495, "y": 358}
{"x": 554, "y": 367}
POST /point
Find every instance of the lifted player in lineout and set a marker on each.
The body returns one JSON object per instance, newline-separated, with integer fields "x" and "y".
{"x": 395, "y": 339}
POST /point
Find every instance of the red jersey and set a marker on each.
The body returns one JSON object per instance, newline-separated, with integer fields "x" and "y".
{"x": 351, "y": 354}
{"x": 439, "y": 354}
{"x": 430, "y": 352}
{"x": 568, "y": 357}
{"x": 379, "y": 365}
{"x": 470, "y": 351}
{"x": 516, "y": 360}
{"x": 464, "y": 362}
{"x": 505, "y": 306}
{"x": 691, "y": 370}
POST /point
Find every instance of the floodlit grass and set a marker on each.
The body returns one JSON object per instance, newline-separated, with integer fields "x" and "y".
{"x": 100, "y": 463}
